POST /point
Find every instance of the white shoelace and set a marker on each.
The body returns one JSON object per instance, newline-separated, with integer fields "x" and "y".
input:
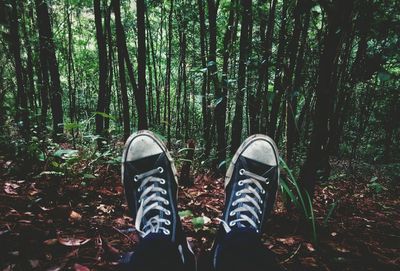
{"x": 250, "y": 198}
{"x": 150, "y": 200}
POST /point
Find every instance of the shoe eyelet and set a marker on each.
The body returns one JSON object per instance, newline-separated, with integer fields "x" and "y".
{"x": 240, "y": 183}
{"x": 232, "y": 213}
{"x": 166, "y": 202}
{"x": 241, "y": 172}
{"x": 260, "y": 212}
{"x": 232, "y": 223}
{"x": 162, "y": 181}
{"x": 261, "y": 201}
{"x": 238, "y": 193}
{"x": 167, "y": 222}
{"x": 139, "y": 189}
{"x": 263, "y": 192}
{"x": 167, "y": 212}
{"x": 167, "y": 232}
{"x": 164, "y": 192}
{"x": 135, "y": 178}
{"x": 160, "y": 169}
{"x": 234, "y": 203}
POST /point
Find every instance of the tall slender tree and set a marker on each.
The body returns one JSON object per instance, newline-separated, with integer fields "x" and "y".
{"x": 141, "y": 59}
{"x": 237, "y": 125}
{"x": 103, "y": 67}
{"x": 50, "y": 65}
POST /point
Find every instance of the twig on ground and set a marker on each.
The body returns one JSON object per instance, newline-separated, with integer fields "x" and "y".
{"x": 291, "y": 256}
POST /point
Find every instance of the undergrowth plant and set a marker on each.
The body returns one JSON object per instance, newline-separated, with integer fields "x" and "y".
{"x": 299, "y": 197}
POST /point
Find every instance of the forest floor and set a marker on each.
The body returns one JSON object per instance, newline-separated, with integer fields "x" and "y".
{"x": 71, "y": 224}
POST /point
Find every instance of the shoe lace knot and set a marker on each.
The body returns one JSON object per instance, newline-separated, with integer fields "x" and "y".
{"x": 152, "y": 203}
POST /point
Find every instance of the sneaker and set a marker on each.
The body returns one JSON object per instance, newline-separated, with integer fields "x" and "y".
{"x": 151, "y": 185}
{"x": 251, "y": 184}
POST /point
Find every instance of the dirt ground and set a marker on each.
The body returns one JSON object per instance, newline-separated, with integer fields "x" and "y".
{"x": 76, "y": 224}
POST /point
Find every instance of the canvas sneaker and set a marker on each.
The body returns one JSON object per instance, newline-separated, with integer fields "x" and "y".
{"x": 150, "y": 182}
{"x": 251, "y": 184}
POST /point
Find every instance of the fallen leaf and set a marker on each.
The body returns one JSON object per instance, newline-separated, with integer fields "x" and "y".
{"x": 105, "y": 208}
{"x": 73, "y": 242}
{"x": 310, "y": 247}
{"x": 287, "y": 241}
{"x": 34, "y": 263}
{"x": 50, "y": 242}
{"x": 79, "y": 267}
{"x": 75, "y": 216}
{"x": 10, "y": 188}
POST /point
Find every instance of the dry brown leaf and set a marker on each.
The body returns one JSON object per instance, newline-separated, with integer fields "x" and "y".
{"x": 50, "y": 242}
{"x": 79, "y": 267}
{"x": 10, "y": 188}
{"x": 73, "y": 242}
{"x": 287, "y": 241}
{"x": 75, "y": 216}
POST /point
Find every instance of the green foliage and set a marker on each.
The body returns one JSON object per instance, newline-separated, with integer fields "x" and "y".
{"x": 299, "y": 197}
{"x": 375, "y": 186}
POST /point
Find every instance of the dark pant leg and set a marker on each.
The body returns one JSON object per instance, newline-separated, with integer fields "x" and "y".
{"x": 244, "y": 251}
{"x": 154, "y": 253}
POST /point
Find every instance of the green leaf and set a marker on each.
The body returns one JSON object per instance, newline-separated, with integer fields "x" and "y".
{"x": 222, "y": 164}
{"x": 65, "y": 154}
{"x": 383, "y": 76}
{"x": 89, "y": 176}
{"x": 186, "y": 213}
{"x": 198, "y": 222}
{"x": 105, "y": 115}
{"x": 218, "y": 101}
{"x": 54, "y": 173}
{"x": 71, "y": 126}
{"x": 211, "y": 63}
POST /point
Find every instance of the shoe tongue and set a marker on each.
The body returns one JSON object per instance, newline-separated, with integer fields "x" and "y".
{"x": 255, "y": 166}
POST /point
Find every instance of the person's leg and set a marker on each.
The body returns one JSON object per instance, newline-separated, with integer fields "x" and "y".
{"x": 150, "y": 182}
{"x": 251, "y": 183}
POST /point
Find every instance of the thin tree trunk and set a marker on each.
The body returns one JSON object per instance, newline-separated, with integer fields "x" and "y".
{"x": 263, "y": 81}
{"x": 244, "y": 46}
{"x": 15, "y": 48}
{"x": 102, "y": 55}
{"x": 120, "y": 37}
{"x": 45, "y": 33}
{"x": 168, "y": 121}
{"x": 317, "y": 156}
{"x": 279, "y": 70}
{"x": 141, "y": 59}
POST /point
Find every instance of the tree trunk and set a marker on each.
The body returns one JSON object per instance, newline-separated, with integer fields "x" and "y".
{"x": 102, "y": 55}
{"x": 244, "y": 46}
{"x": 46, "y": 35}
{"x": 167, "y": 98}
{"x": 220, "y": 108}
{"x": 317, "y": 156}
{"x": 263, "y": 80}
{"x": 15, "y": 48}
{"x": 141, "y": 59}
{"x": 211, "y": 68}
{"x": 279, "y": 70}
{"x": 120, "y": 37}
